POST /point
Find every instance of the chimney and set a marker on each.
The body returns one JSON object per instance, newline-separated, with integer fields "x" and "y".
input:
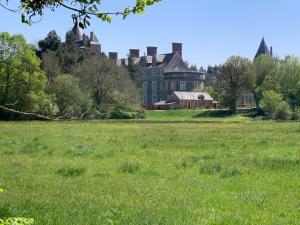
{"x": 177, "y": 47}
{"x": 113, "y": 56}
{"x": 134, "y": 53}
{"x": 271, "y": 51}
{"x": 151, "y": 51}
{"x": 154, "y": 61}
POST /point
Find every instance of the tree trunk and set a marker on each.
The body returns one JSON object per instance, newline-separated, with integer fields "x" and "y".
{"x": 6, "y": 87}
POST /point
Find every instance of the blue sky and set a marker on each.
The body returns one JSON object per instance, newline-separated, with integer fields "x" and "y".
{"x": 210, "y": 30}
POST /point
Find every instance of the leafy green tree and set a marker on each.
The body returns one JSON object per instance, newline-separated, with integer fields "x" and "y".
{"x": 235, "y": 74}
{"x": 105, "y": 80}
{"x": 22, "y": 82}
{"x": 283, "y": 111}
{"x": 133, "y": 70}
{"x": 51, "y": 66}
{"x": 288, "y": 78}
{"x": 82, "y": 9}
{"x": 265, "y": 76}
{"x": 51, "y": 42}
{"x": 298, "y": 94}
{"x": 70, "y": 100}
{"x": 270, "y": 102}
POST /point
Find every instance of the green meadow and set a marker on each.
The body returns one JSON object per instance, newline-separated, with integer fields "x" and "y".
{"x": 179, "y": 169}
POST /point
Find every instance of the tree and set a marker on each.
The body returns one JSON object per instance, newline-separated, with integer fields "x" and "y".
{"x": 236, "y": 74}
{"x": 82, "y": 9}
{"x": 274, "y": 106}
{"x": 298, "y": 93}
{"x": 288, "y": 77}
{"x": 265, "y": 68}
{"x": 22, "y": 82}
{"x": 193, "y": 68}
{"x": 133, "y": 70}
{"x": 51, "y": 42}
{"x": 70, "y": 99}
{"x": 106, "y": 81}
{"x": 51, "y": 66}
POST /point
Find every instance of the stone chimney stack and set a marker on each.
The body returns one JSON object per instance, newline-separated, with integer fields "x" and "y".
{"x": 151, "y": 51}
{"x": 134, "y": 53}
{"x": 113, "y": 56}
{"x": 154, "y": 61}
{"x": 177, "y": 47}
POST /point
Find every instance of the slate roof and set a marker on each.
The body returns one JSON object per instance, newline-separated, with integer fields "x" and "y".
{"x": 263, "y": 49}
{"x": 93, "y": 38}
{"x": 78, "y": 32}
{"x": 192, "y": 95}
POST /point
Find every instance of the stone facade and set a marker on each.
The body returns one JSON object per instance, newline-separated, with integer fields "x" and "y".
{"x": 161, "y": 74}
{"x": 191, "y": 100}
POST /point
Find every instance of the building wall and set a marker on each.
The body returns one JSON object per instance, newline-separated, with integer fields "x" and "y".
{"x": 158, "y": 85}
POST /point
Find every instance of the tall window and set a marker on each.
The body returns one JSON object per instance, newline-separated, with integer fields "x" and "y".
{"x": 154, "y": 87}
{"x": 173, "y": 86}
{"x": 182, "y": 85}
{"x": 154, "y": 90}
{"x": 153, "y": 99}
{"x": 145, "y": 92}
{"x": 196, "y": 84}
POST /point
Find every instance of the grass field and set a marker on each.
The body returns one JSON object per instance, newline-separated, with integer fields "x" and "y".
{"x": 87, "y": 173}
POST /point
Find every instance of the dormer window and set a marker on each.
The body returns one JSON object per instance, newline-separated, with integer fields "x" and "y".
{"x": 177, "y": 69}
{"x": 201, "y": 97}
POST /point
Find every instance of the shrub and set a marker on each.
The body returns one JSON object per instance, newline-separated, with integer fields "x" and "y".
{"x": 122, "y": 111}
{"x": 270, "y": 102}
{"x": 283, "y": 111}
{"x": 296, "y": 114}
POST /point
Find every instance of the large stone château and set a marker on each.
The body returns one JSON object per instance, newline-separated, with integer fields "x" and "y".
{"x": 162, "y": 74}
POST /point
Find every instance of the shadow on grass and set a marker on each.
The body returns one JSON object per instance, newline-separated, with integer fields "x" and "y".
{"x": 214, "y": 113}
{"x": 222, "y": 113}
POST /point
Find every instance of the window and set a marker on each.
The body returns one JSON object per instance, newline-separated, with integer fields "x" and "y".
{"x": 153, "y": 99}
{"x": 154, "y": 87}
{"x": 202, "y": 86}
{"x": 145, "y": 92}
{"x": 196, "y": 84}
{"x": 177, "y": 69}
{"x": 173, "y": 86}
{"x": 144, "y": 72}
{"x": 182, "y": 85}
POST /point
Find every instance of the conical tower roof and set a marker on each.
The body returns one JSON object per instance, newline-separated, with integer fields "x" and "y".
{"x": 93, "y": 37}
{"x": 263, "y": 49}
{"x": 78, "y": 32}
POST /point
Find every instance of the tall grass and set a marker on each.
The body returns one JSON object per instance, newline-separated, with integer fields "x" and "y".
{"x": 150, "y": 173}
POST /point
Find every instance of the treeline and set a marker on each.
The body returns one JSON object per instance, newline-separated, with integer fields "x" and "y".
{"x": 274, "y": 83}
{"x": 60, "y": 80}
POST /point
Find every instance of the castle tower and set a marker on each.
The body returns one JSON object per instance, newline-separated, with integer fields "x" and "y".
{"x": 263, "y": 50}
{"x": 94, "y": 44}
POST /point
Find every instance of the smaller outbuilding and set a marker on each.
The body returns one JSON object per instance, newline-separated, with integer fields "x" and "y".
{"x": 191, "y": 100}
